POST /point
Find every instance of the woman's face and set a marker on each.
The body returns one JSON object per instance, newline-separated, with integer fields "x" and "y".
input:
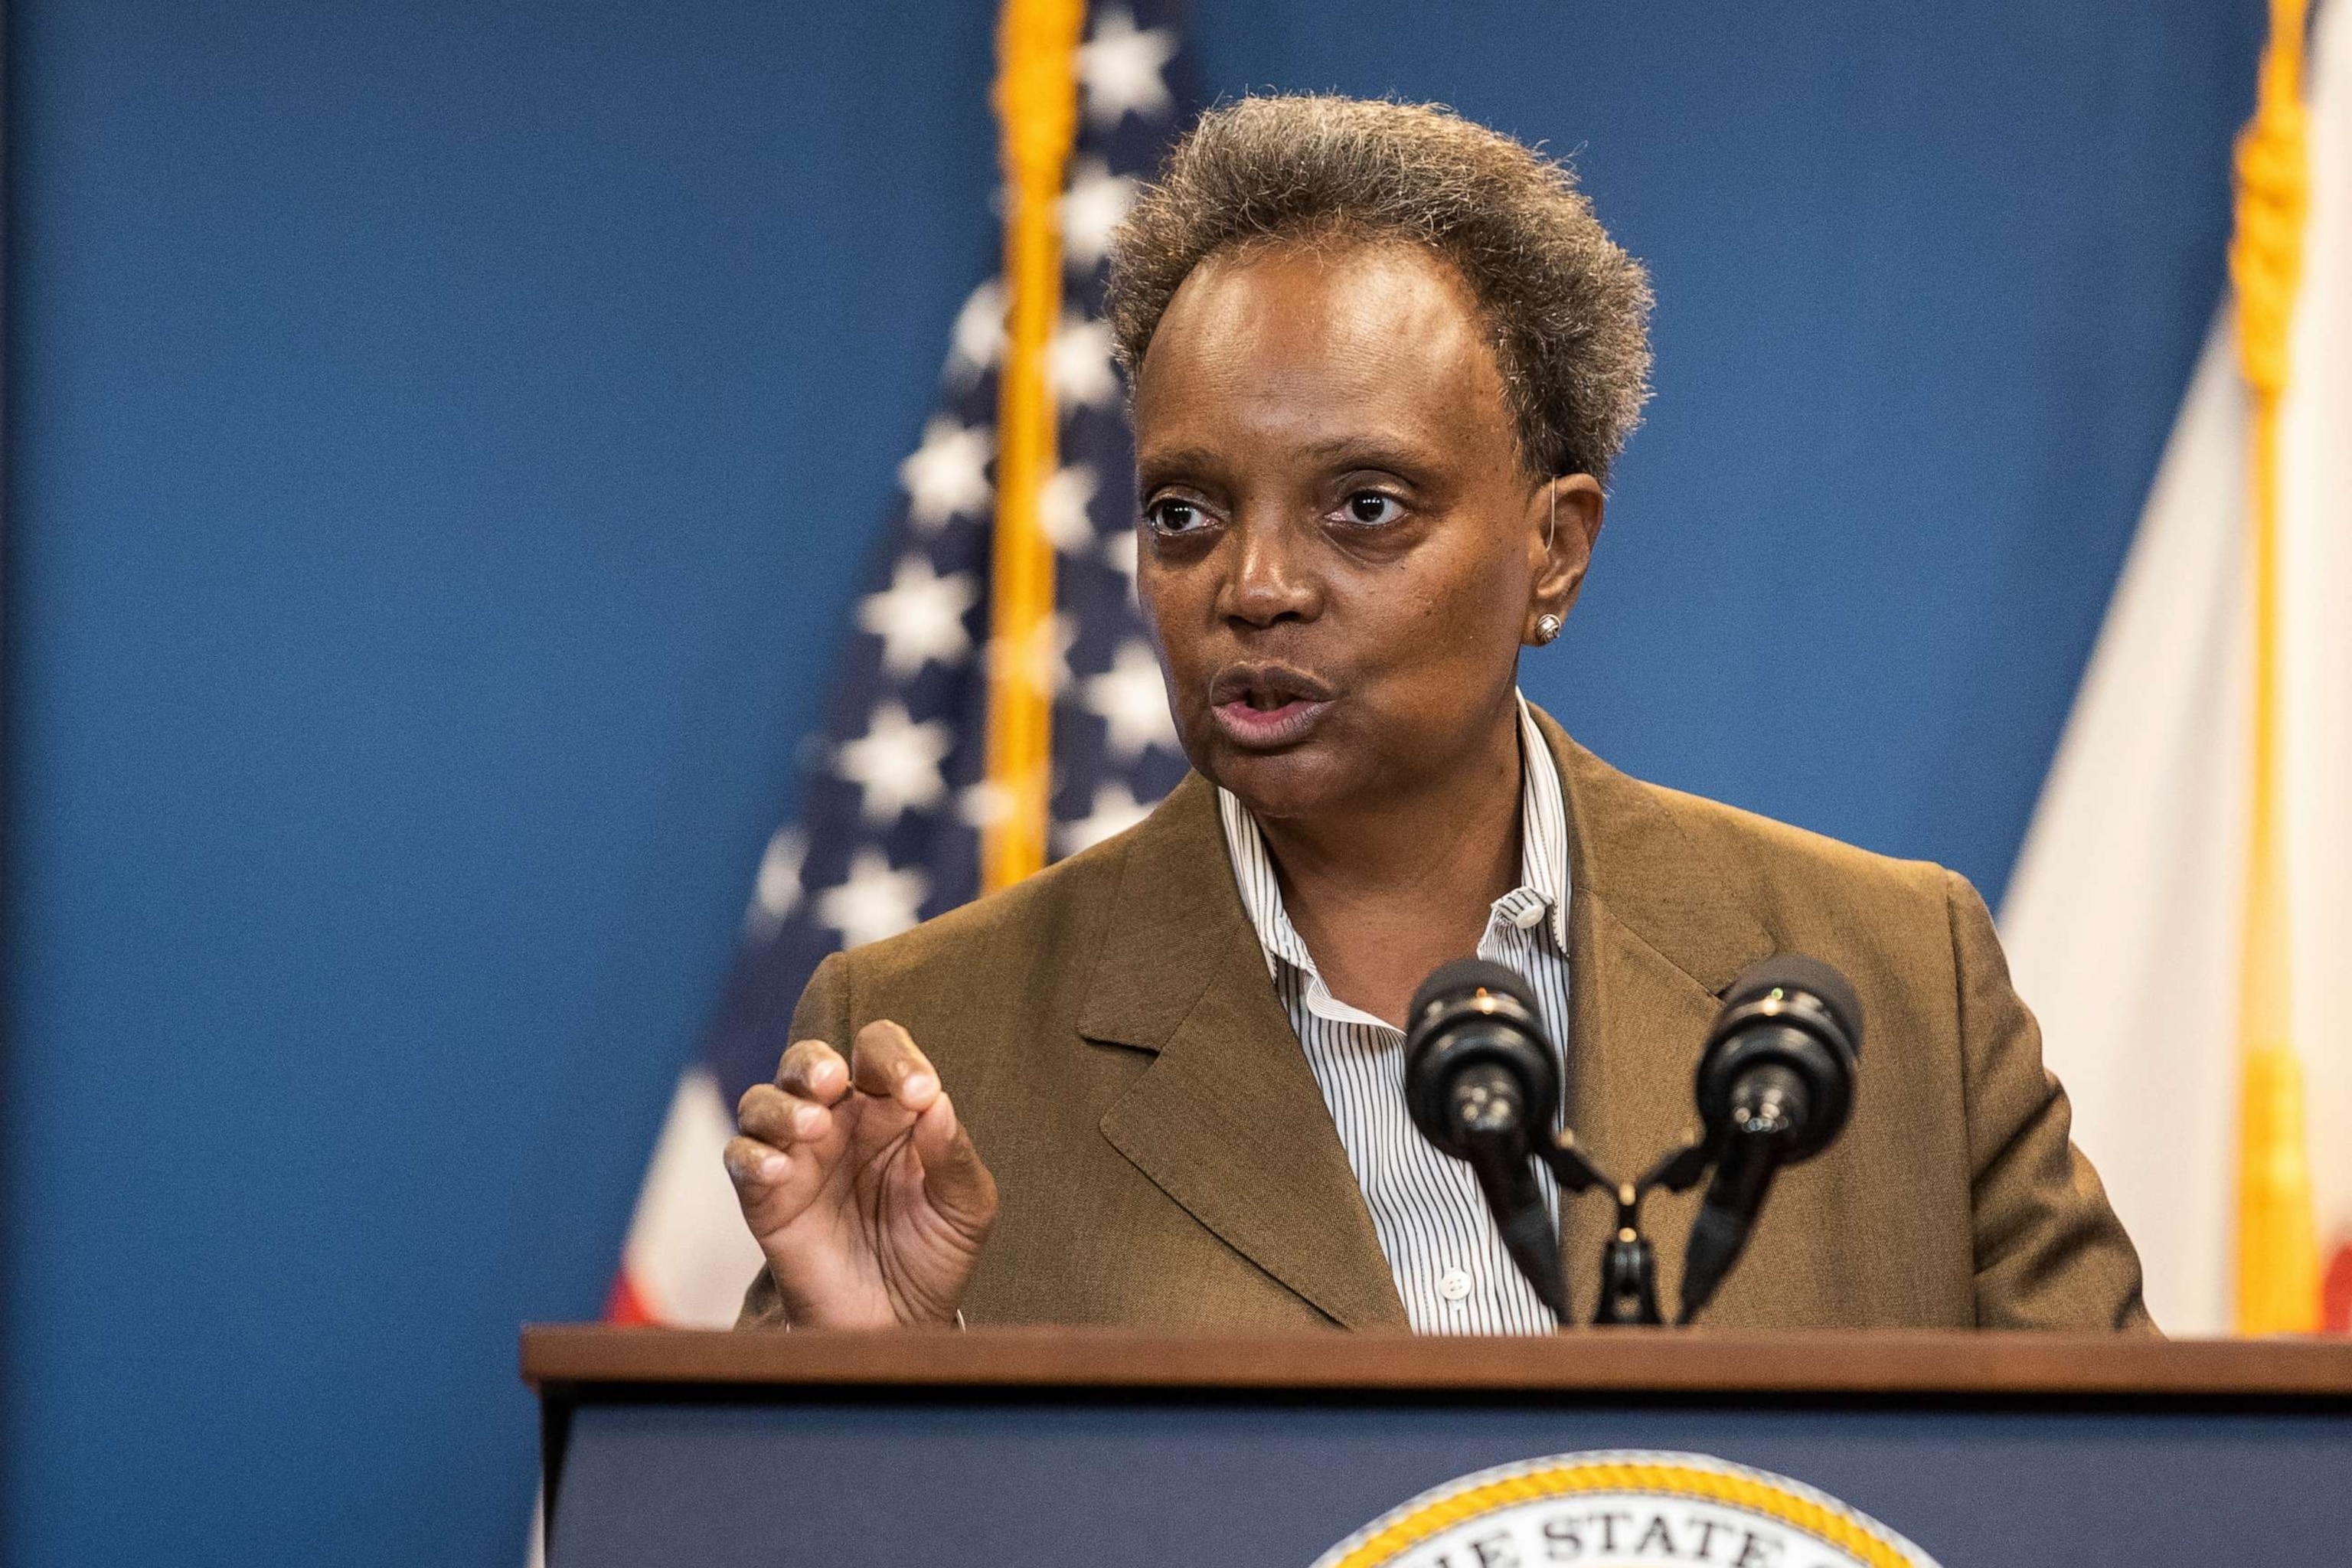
{"x": 1341, "y": 551}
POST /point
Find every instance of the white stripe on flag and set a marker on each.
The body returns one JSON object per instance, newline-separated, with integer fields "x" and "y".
{"x": 2315, "y": 505}
{"x": 2121, "y": 920}
{"x": 689, "y": 1256}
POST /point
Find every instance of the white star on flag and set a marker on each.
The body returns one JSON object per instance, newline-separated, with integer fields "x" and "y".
{"x": 920, "y": 617}
{"x": 776, "y": 890}
{"x": 1077, "y": 361}
{"x": 1062, "y": 509}
{"x": 1045, "y": 661}
{"x": 1132, "y": 701}
{"x": 1091, "y": 208}
{"x": 875, "y": 900}
{"x": 977, "y": 341}
{"x": 1115, "y": 810}
{"x": 897, "y": 764}
{"x": 949, "y": 473}
{"x": 1119, "y": 553}
{"x": 1121, "y": 68}
{"x": 983, "y": 805}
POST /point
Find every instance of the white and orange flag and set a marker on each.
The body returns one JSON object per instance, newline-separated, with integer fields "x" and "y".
{"x": 2181, "y": 915}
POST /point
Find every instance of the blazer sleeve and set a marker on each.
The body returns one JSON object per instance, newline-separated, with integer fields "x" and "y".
{"x": 2050, "y": 1252}
{"x": 822, "y": 1013}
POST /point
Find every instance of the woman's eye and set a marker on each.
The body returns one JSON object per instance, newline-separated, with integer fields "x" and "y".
{"x": 1170, "y": 515}
{"x": 1371, "y": 508}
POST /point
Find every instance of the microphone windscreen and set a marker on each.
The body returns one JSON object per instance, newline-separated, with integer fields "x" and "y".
{"x": 1464, "y": 976}
{"x": 1795, "y": 972}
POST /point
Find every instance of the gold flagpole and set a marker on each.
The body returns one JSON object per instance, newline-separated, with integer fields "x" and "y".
{"x": 1037, "y": 114}
{"x": 2277, "y": 1242}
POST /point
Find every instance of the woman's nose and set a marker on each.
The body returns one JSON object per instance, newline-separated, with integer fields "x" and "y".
{"x": 1269, "y": 583}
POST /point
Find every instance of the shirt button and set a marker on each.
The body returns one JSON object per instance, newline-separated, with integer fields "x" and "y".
{"x": 1454, "y": 1284}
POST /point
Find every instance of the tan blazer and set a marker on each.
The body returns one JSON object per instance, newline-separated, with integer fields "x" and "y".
{"x": 1111, "y": 1036}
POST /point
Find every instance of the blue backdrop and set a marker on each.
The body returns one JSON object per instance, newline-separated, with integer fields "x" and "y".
{"x": 441, "y": 437}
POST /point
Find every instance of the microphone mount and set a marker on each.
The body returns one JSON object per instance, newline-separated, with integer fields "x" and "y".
{"x": 1629, "y": 1264}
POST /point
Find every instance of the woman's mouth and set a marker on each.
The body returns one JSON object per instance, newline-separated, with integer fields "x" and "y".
{"x": 1265, "y": 707}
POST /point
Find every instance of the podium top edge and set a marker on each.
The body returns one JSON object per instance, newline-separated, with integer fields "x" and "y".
{"x": 632, "y": 1361}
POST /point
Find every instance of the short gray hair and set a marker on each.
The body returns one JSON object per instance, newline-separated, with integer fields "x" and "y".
{"x": 1569, "y": 308}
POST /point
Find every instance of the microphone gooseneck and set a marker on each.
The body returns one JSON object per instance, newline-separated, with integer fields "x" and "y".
{"x": 1483, "y": 1086}
{"x": 1774, "y": 1087}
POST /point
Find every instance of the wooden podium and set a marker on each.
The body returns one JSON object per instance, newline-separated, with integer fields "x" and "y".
{"x": 1037, "y": 1446}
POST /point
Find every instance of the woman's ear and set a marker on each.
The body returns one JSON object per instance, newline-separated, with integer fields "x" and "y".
{"x": 1565, "y": 515}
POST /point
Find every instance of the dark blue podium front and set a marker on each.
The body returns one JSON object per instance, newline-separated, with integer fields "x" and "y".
{"x": 1047, "y": 1447}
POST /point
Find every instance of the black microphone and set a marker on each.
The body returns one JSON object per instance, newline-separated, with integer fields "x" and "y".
{"x": 1775, "y": 1084}
{"x": 1482, "y": 1085}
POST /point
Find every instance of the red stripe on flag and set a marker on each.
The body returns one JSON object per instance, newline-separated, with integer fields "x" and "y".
{"x": 625, "y": 1307}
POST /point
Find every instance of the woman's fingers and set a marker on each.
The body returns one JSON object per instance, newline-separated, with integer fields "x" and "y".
{"x": 775, "y": 1186}
{"x": 832, "y": 1182}
{"x": 814, "y": 1071}
{"x": 885, "y": 1061}
{"x": 780, "y": 1161}
{"x": 754, "y": 1166}
{"x": 772, "y": 1116}
{"x": 955, "y": 1181}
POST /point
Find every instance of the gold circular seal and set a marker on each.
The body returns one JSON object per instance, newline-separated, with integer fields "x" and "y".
{"x": 1624, "y": 1509}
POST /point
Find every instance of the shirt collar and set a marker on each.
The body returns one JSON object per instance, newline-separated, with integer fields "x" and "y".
{"x": 1541, "y": 895}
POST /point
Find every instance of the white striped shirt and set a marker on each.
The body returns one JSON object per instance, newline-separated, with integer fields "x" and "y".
{"x": 1432, "y": 1224}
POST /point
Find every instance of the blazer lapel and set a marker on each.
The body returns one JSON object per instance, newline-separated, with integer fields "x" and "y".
{"x": 1228, "y": 1121}
{"x": 1657, "y": 930}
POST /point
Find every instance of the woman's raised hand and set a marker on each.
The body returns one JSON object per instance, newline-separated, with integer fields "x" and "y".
{"x": 862, "y": 1189}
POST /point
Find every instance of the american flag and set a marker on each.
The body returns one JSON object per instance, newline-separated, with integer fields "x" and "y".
{"x": 892, "y": 792}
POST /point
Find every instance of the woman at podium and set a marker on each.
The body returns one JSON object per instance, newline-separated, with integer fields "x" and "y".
{"x": 1380, "y": 361}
